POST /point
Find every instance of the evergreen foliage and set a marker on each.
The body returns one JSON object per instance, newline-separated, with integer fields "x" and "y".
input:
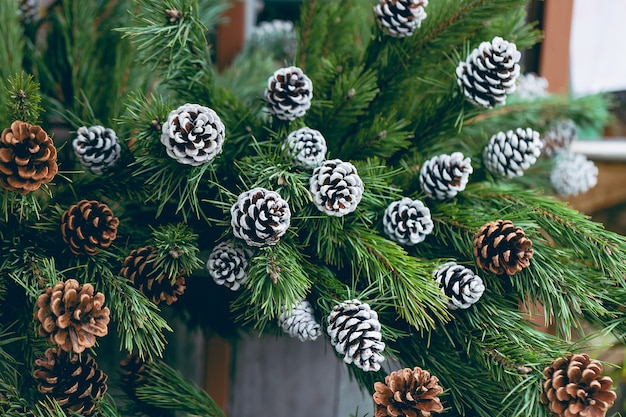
{"x": 386, "y": 105}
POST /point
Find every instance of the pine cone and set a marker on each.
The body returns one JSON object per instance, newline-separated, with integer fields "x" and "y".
{"x": 531, "y": 87}
{"x": 510, "y": 153}
{"x": 133, "y": 374}
{"x": 74, "y": 381}
{"x": 408, "y": 393}
{"x": 573, "y": 174}
{"x": 559, "y": 138}
{"x": 407, "y": 221}
{"x": 193, "y": 134}
{"x": 72, "y": 315}
{"x": 502, "y": 248}
{"x": 306, "y": 147}
{"x": 139, "y": 267}
{"x": 276, "y": 38}
{"x": 97, "y": 148}
{"x": 288, "y": 94}
{"x": 88, "y": 226}
{"x": 574, "y": 387}
{"x": 300, "y": 322}
{"x": 29, "y": 10}
{"x": 27, "y": 158}
{"x": 459, "y": 284}
{"x": 227, "y": 266}
{"x": 444, "y": 176}
{"x": 354, "y": 331}
{"x": 336, "y": 187}
{"x": 260, "y": 217}
{"x": 490, "y": 72}
{"x": 400, "y": 18}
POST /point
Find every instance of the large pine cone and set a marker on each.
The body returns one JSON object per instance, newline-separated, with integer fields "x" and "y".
{"x": 72, "y": 315}
{"x": 193, "y": 134}
{"x": 139, "y": 267}
{"x": 407, "y": 221}
{"x": 88, "y": 226}
{"x": 574, "y": 387}
{"x": 462, "y": 287}
{"x": 306, "y": 147}
{"x": 490, "y": 72}
{"x": 573, "y": 174}
{"x": 444, "y": 176}
{"x": 227, "y": 266}
{"x": 510, "y": 153}
{"x": 96, "y": 147}
{"x": 74, "y": 381}
{"x": 300, "y": 322}
{"x": 260, "y": 217}
{"x": 336, "y": 187}
{"x": 400, "y": 18}
{"x": 408, "y": 393}
{"x": 354, "y": 331}
{"x": 502, "y": 248}
{"x": 288, "y": 94}
{"x": 559, "y": 138}
{"x": 28, "y": 158}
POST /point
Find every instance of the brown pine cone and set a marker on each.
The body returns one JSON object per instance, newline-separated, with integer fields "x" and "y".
{"x": 502, "y": 248}
{"x": 574, "y": 387}
{"x": 139, "y": 267}
{"x": 72, "y": 315}
{"x": 88, "y": 226}
{"x": 133, "y": 369}
{"x": 27, "y": 158}
{"x": 74, "y": 381}
{"x": 408, "y": 393}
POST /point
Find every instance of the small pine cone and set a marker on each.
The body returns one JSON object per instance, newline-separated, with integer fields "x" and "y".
{"x": 72, "y": 315}
{"x": 29, "y": 10}
{"x": 400, "y": 18}
{"x": 354, "y": 331}
{"x": 407, "y": 221}
{"x": 336, "y": 187}
{"x": 300, "y": 322}
{"x": 510, "y": 153}
{"x": 490, "y": 72}
{"x": 444, "y": 176}
{"x": 502, "y": 248}
{"x": 132, "y": 374}
{"x": 74, "y": 381}
{"x": 408, "y": 393}
{"x": 88, "y": 226}
{"x": 97, "y": 148}
{"x": 573, "y": 174}
{"x": 306, "y": 147}
{"x": 459, "y": 284}
{"x": 27, "y": 158}
{"x": 139, "y": 268}
{"x": 276, "y": 38}
{"x": 260, "y": 217}
{"x": 574, "y": 387}
{"x": 531, "y": 87}
{"x": 193, "y": 134}
{"x": 288, "y": 94}
{"x": 227, "y": 266}
{"x": 559, "y": 138}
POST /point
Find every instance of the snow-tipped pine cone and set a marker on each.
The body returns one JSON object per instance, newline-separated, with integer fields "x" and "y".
{"x": 460, "y": 284}
{"x": 573, "y": 174}
{"x": 97, "y": 148}
{"x": 306, "y": 147}
{"x": 260, "y": 217}
{"x": 300, "y": 322}
{"x": 444, "y": 176}
{"x": 559, "y": 137}
{"x": 407, "y": 221}
{"x": 400, "y": 18}
{"x": 227, "y": 265}
{"x": 288, "y": 94}
{"x": 512, "y": 152}
{"x": 336, "y": 187}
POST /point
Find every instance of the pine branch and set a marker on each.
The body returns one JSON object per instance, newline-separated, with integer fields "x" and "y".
{"x": 11, "y": 53}
{"x": 23, "y": 101}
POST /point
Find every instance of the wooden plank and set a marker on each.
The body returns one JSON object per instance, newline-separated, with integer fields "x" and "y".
{"x": 218, "y": 354}
{"x": 231, "y": 34}
{"x": 555, "y": 57}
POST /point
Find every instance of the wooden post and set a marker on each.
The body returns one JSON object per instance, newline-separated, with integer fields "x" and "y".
{"x": 554, "y": 57}
{"x": 231, "y": 34}
{"x": 218, "y": 354}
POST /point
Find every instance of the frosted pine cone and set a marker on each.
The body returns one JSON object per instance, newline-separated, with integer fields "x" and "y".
{"x": 502, "y": 248}
{"x": 277, "y": 38}
{"x": 300, "y": 322}
{"x": 444, "y": 176}
{"x": 573, "y": 174}
{"x": 29, "y": 10}
{"x": 306, "y": 147}
{"x": 260, "y": 217}
{"x": 193, "y": 134}
{"x": 72, "y": 315}
{"x": 74, "y": 381}
{"x": 28, "y": 158}
{"x": 490, "y": 72}
{"x": 510, "y": 153}
{"x": 459, "y": 284}
{"x": 97, "y": 148}
{"x": 574, "y": 387}
{"x": 408, "y": 392}
{"x": 88, "y": 226}
{"x": 354, "y": 331}
{"x": 336, "y": 187}
{"x": 400, "y": 18}
{"x": 407, "y": 221}
{"x": 559, "y": 138}
{"x": 288, "y": 94}
{"x": 227, "y": 266}
{"x": 531, "y": 87}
